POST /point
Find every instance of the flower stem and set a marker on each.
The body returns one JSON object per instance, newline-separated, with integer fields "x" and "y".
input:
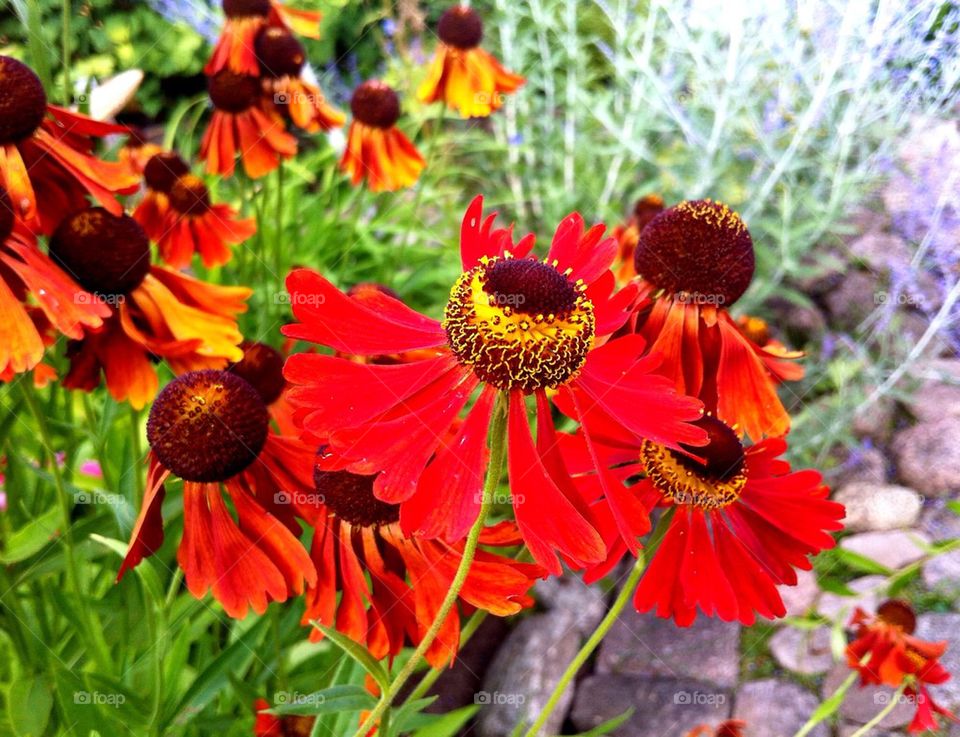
{"x": 472, "y": 625}
{"x": 837, "y": 696}
{"x": 498, "y": 445}
{"x": 67, "y": 88}
{"x": 278, "y": 238}
{"x": 894, "y": 700}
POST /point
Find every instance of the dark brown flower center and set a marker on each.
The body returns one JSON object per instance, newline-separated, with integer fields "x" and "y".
{"x": 699, "y": 250}
{"x": 722, "y": 455}
{"x": 246, "y": 8}
{"x": 461, "y": 27}
{"x": 232, "y": 92}
{"x": 376, "y": 104}
{"x": 207, "y": 426}
{"x": 350, "y": 497}
{"x": 163, "y": 169}
{"x": 23, "y": 103}
{"x": 6, "y": 215}
{"x": 106, "y": 254}
{"x": 519, "y": 324}
{"x": 280, "y": 54}
{"x": 189, "y": 195}
{"x": 646, "y": 209}
{"x": 262, "y": 368}
{"x": 899, "y": 614}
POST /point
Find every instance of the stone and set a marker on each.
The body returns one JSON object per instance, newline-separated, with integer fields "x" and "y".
{"x": 942, "y": 573}
{"x": 799, "y": 599}
{"x": 852, "y": 301}
{"x": 928, "y": 456}
{"x": 876, "y": 420}
{"x": 936, "y": 628}
{"x": 803, "y": 651}
{"x": 934, "y": 400}
{"x": 867, "y": 592}
{"x": 863, "y": 703}
{"x": 662, "y": 706}
{"x": 891, "y": 548}
{"x": 872, "y": 506}
{"x": 647, "y": 645}
{"x": 794, "y": 705}
{"x": 798, "y": 324}
{"x": 862, "y": 464}
{"x": 523, "y": 674}
{"x": 881, "y": 251}
{"x": 569, "y": 596}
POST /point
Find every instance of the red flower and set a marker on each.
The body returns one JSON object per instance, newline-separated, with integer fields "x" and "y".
{"x": 729, "y": 728}
{"x": 742, "y": 520}
{"x": 45, "y": 149}
{"x": 268, "y": 725}
{"x": 514, "y": 325}
{"x": 244, "y": 121}
{"x": 235, "y": 49}
{"x": 696, "y": 260}
{"x": 211, "y": 429}
{"x": 886, "y": 652}
{"x": 462, "y": 75}
{"x": 177, "y": 213}
{"x": 363, "y": 557}
{"x": 376, "y": 149}
{"x": 645, "y": 209}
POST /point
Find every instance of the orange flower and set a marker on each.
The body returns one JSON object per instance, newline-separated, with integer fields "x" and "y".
{"x": 291, "y": 725}
{"x": 176, "y": 212}
{"x": 462, "y": 75}
{"x": 376, "y": 149}
{"x": 243, "y": 121}
{"x": 729, "y": 728}
{"x": 695, "y": 260}
{"x": 211, "y": 429}
{"x": 137, "y": 151}
{"x": 281, "y": 59}
{"x": 45, "y": 149}
{"x": 157, "y": 312}
{"x": 59, "y": 303}
{"x": 244, "y": 20}
{"x": 886, "y": 652}
{"x": 628, "y": 234}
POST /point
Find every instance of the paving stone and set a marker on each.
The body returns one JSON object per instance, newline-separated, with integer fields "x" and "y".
{"x": 852, "y": 301}
{"x": 928, "y": 456}
{"x": 863, "y": 703}
{"x": 939, "y": 521}
{"x": 861, "y": 465}
{"x": 891, "y": 548}
{"x": 876, "y": 420}
{"x": 933, "y": 400}
{"x": 570, "y": 596}
{"x": 773, "y": 708}
{"x": 662, "y": 706}
{"x": 881, "y": 251}
{"x": 646, "y": 645}
{"x": 803, "y": 651}
{"x": 942, "y": 573}
{"x": 878, "y": 506}
{"x": 799, "y": 599}
{"x": 936, "y": 628}
{"x": 867, "y": 593}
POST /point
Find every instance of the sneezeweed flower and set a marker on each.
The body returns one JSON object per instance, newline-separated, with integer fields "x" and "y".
{"x": 696, "y": 260}
{"x": 282, "y": 58}
{"x": 244, "y": 20}
{"x": 377, "y": 150}
{"x": 513, "y": 325}
{"x": 627, "y": 234}
{"x": 742, "y": 521}
{"x": 290, "y": 725}
{"x": 46, "y": 149}
{"x": 363, "y": 556}
{"x": 137, "y": 151}
{"x": 728, "y": 728}
{"x": 37, "y": 297}
{"x": 244, "y": 121}
{"x": 156, "y": 312}
{"x": 211, "y": 429}
{"x": 462, "y": 75}
{"x": 885, "y": 652}
{"x": 176, "y": 212}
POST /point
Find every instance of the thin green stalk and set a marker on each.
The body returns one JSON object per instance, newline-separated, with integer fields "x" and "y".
{"x": 137, "y": 448}
{"x": 837, "y": 695}
{"x": 498, "y": 446}
{"x": 894, "y": 700}
{"x": 93, "y": 633}
{"x": 67, "y": 89}
{"x": 476, "y": 619}
{"x": 278, "y": 238}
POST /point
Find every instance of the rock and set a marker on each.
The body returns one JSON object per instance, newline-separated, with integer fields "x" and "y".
{"x": 799, "y": 324}
{"x": 863, "y": 703}
{"x": 867, "y": 465}
{"x": 928, "y": 456}
{"x": 853, "y": 300}
{"x": 891, "y": 548}
{"x": 876, "y": 420}
{"x": 662, "y": 706}
{"x": 865, "y": 220}
{"x": 524, "y": 672}
{"x": 803, "y": 651}
{"x": 939, "y": 521}
{"x": 848, "y": 729}
{"x": 570, "y": 596}
{"x": 933, "y": 400}
{"x": 881, "y": 251}
{"x": 793, "y": 706}
{"x": 872, "y": 506}
{"x": 646, "y": 645}
{"x": 867, "y": 592}
{"x": 942, "y": 573}
{"x": 936, "y": 628}
{"x": 799, "y": 599}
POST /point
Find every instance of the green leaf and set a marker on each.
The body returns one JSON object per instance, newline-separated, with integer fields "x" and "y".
{"x": 358, "y": 653}
{"x": 608, "y": 726}
{"x": 345, "y": 697}
{"x": 449, "y": 724}
{"x": 31, "y": 538}
{"x": 860, "y": 562}
{"x": 29, "y": 703}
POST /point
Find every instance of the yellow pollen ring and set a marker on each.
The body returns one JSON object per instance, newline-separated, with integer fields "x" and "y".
{"x": 682, "y": 485}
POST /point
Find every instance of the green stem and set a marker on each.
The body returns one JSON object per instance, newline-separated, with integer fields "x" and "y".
{"x": 278, "y": 245}
{"x": 67, "y": 90}
{"x": 137, "y": 449}
{"x": 894, "y": 700}
{"x": 498, "y": 446}
{"x": 93, "y": 633}
{"x": 476, "y": 619}
{"x": 837, "y": 695}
